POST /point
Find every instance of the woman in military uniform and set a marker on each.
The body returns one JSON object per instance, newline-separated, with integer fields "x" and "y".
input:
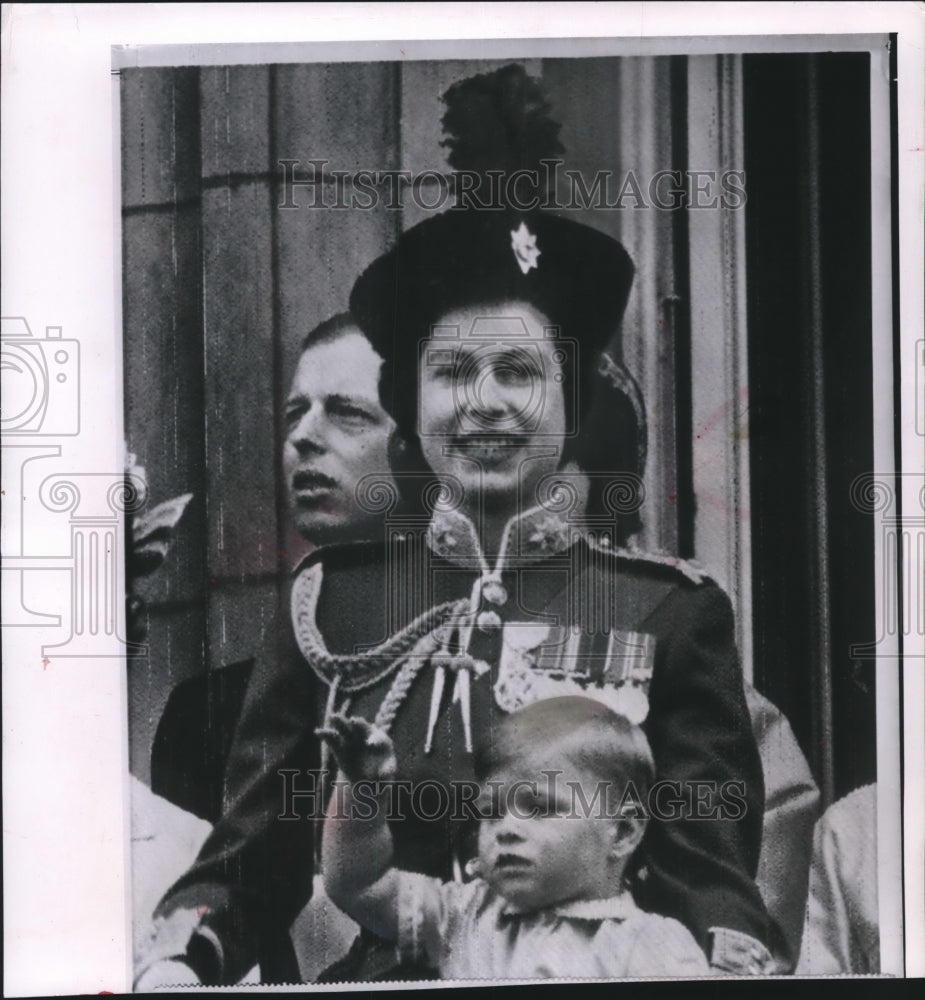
{"x": 494, "y": 587}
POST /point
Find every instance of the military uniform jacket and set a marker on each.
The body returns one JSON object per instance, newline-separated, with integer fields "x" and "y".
{"x": 387, "y": 631}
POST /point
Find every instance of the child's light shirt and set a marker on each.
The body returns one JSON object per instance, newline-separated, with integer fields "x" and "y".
{"x": 466, "y": 931}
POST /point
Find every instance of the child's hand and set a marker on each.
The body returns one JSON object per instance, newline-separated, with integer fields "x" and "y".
{"x": 363, "y": 751}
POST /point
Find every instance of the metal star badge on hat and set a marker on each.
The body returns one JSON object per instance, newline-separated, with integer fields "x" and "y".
{"x": 523, "y": 243}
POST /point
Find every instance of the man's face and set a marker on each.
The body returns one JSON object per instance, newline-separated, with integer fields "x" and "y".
{"x": 336, "y": 433}
{"x": 492, "y": 406}
{"x": 538, "y": 848}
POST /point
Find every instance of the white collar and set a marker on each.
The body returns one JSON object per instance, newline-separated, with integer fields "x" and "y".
{"x": 618, "y": 907}
{"x": 612, "y": 908}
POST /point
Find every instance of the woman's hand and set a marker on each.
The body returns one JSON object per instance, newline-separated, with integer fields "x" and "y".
{"x": 363, "y": 751}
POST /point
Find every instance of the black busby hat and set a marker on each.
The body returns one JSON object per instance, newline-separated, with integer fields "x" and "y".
{"x": 576, "y": 276}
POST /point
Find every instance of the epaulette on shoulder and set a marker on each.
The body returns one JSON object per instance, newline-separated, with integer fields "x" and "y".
{"x": 637, "y": 558}
{"x": 689, "y": 569}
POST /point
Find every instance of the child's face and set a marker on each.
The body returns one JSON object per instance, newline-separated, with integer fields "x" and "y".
{"x": 539, "y": 847}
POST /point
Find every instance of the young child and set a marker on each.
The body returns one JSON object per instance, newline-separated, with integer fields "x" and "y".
{"x": 549, "y": 898}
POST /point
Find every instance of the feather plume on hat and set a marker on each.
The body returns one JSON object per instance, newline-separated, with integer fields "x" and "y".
{"x": 499, "y": 121}
{"x": 576, "y": 276}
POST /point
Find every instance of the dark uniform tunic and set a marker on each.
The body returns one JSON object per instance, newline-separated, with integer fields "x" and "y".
{"x": 374, "y": 625}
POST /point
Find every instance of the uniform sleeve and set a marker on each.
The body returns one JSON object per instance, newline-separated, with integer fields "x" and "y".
{"x": 254, "y": 872}
{"x": 702, "y": 858}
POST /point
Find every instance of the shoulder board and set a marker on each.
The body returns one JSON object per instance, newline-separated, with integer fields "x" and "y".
{"x": 687, "y": 568}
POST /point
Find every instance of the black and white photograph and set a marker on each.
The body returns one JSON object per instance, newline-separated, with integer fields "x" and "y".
{"x": 510, "y": 551}
{"x": 498, "y": 382}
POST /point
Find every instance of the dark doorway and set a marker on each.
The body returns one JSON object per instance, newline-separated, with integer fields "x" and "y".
{"x": 807, "y": 143}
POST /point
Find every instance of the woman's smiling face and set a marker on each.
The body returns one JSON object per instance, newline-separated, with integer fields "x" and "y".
{"x": 492, "y": 406}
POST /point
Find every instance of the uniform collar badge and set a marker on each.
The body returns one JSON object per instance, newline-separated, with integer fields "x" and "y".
{"x": 535, "y": 534}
